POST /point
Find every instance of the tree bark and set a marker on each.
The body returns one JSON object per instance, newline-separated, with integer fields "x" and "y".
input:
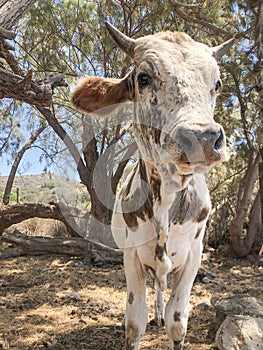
{"x": 20, "y": 154}
{"x": 12, "y": 10}
{"x": 254, "y": 237}
{"x": 260, "y": 170}
{"x": 240, "y": 241}
{"x": 14, "y": 214}
{"x": 29, "y": 245}
{"x": 24, "y": 88}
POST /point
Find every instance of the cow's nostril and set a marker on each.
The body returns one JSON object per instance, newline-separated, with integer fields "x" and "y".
{"x": 219, "y": 141}
{"x": 184, "y": 141}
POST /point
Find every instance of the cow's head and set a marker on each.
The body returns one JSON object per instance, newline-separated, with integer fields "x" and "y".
{"x": 173, "y": 85}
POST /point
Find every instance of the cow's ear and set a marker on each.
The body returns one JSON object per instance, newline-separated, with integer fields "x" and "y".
{"x": 101, "y": 96}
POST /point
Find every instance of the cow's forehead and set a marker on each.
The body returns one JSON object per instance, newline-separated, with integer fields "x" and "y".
{"x": 175, "y": 51}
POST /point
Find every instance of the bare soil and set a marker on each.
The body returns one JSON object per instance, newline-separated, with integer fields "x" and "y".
{"x": 58, "y": 303}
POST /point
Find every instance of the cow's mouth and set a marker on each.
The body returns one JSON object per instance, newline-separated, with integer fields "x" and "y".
{"x": 200, "y": 163}
{"x": 187, "y": 167}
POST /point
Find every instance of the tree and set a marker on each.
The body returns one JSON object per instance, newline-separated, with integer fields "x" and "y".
{"x": 249, "y": 202}
{"x": 76, "y": 43}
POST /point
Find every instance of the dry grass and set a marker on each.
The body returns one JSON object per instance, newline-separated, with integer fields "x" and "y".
{"x": 60, "y": 303}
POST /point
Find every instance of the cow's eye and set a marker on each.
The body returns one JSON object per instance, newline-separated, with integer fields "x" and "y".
{"x": 143, "y": 79}
{"x": 218, "y": 85}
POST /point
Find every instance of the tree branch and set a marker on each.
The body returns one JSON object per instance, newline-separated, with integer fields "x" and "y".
{"x": 11, "y": 11}
{"x": 14, "y": 214}
{"x": 83, "y": 171}
{"x": 30, "y": 245}
{"x": 6, "y": 34}
{"x": 206, "y": 24}
{"x": 25, "y": 89}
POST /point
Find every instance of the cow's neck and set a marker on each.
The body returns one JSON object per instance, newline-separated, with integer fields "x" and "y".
{"x": 162, "y": 192}
{"x": 163, "y": 181}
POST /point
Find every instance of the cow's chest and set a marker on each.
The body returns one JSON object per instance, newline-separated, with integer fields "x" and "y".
{"x": 185, "y": 224}
{"x": 182, "y": 241}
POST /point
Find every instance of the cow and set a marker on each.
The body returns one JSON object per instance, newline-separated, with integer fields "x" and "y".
{"x": 161, "y": 211}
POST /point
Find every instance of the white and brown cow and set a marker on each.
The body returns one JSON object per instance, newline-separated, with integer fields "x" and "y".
{"x": 161, "y": 212}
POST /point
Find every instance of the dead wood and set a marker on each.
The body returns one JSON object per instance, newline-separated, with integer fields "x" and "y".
{"x": 13, "y": 214}
{"x": 39, "y": 245}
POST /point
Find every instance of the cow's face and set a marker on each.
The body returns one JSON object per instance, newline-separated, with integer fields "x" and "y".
{"x": 173, "y": 86}
{"x": 175, "y": 81}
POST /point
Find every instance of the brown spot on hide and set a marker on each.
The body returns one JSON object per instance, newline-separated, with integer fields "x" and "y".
{"x": 141, "y": 194}
{"x": 186, "y": 207}
{"x": 155, "y": 134}
{"x": 95, "y": 93}
{"x": 131, "y": 298}
{"x": 130, "y": 220}
{"x": 203, "y": 215}
{"x": 198, "y": 233}
{"x": 173, "y": 253}
{"x": 160, "y": 251}
{"x": 179, "y": 211}
{"x": 155, "y": 182}
{"x": 177, "y": 316}
{"x": 132, "y": 334}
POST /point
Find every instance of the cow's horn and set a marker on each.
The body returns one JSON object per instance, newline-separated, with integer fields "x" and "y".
{"x": 220, "y": 50}
{"x": 123, "y": 41}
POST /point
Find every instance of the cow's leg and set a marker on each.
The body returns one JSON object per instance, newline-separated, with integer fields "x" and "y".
{"x": 176, "y": 311}
{"x": 159, "y": 305}
{"x": 136, "y": 309}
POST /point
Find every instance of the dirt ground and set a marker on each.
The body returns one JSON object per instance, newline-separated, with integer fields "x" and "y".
{"x": 60, "y": 303}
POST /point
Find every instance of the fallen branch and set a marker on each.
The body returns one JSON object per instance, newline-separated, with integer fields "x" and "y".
{"x": 32, "y": 245}
{"x": 13, "y": 214}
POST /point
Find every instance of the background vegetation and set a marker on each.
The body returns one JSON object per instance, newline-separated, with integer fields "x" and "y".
{"x": 69, "y": 37}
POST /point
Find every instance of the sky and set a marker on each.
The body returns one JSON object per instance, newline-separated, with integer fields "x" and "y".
{"x": 29, "y": 165}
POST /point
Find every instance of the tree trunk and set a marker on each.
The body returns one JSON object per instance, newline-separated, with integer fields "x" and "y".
{"x": 260, "y": 167}
{"x": 83, "y": 171}
{"x": 12, "y": 10}
{"x": 29, "y": 245}
{"x": 254, "y": 234}
{"x": 240, "y": 241}
{"x": 20, "y": 154}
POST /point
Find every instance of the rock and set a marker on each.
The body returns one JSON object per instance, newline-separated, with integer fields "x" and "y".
{"x": 206, "y": 280}
{"x": 240, "y": 304}
{"x": 72, "y": 296}
{"x": 203, "y": 306}
{"x": 205, "y": 277}
{"x": 239, "y": 332}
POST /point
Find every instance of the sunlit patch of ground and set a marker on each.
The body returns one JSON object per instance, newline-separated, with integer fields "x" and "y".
{"x": 60, "y": 303}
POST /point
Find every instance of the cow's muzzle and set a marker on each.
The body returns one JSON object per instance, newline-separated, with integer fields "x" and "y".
{"x": 200, "y": 146}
